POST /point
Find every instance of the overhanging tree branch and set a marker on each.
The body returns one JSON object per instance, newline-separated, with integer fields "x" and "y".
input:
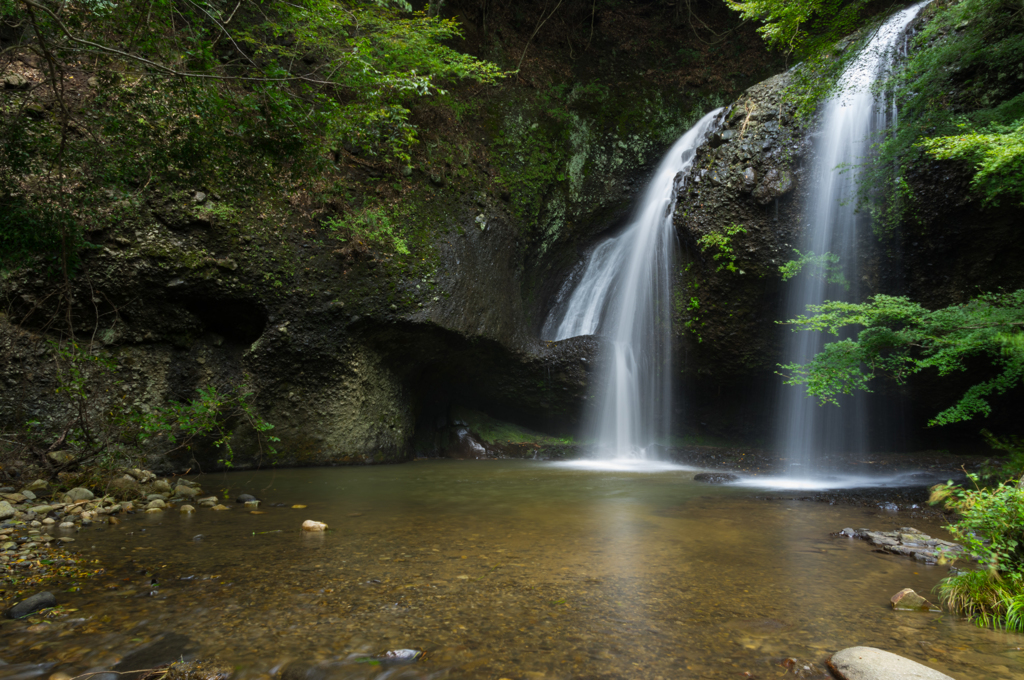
{"x": 167, "y": 69}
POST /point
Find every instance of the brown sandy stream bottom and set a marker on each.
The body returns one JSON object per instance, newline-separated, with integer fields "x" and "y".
{"x": 502, "y": 569}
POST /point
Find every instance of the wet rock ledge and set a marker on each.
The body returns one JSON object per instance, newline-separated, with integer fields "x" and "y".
{"x": 910, "y": 542}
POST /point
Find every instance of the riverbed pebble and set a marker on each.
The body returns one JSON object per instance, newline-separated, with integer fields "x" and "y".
{"x": 185, "y": 491}
{"x": 313, "y": 525}
{"x": 78, "y": 494}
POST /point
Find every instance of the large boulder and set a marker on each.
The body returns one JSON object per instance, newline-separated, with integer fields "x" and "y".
{"x": 869, "y": 663}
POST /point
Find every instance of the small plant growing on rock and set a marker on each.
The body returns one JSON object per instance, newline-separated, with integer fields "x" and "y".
{"x": 720, "y": 245}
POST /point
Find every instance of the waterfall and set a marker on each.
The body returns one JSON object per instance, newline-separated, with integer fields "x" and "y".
{"x": 848, "y": 121}
{"x": 625, "y": 295}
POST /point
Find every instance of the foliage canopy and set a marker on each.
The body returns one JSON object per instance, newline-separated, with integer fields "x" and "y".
{"x": 204, "y": 92}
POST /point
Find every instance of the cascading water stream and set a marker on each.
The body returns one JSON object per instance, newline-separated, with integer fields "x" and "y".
{"x": 848, "y": 122}
{"x": 624, "y": 294}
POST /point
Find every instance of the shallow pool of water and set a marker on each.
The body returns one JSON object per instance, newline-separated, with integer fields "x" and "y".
{"x": 506, "y": 569}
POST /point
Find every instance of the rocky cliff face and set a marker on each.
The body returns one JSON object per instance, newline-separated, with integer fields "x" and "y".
{"x": 748, "y": 181}
{"x": 356, "y": 353}
{"x": 754, "y": 174}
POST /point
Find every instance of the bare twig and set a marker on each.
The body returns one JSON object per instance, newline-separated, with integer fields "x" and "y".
{"x": 167, "y": 69}
{"x": 543, "y": 21}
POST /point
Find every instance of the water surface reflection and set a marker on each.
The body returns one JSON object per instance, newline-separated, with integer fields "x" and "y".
{"x": 507, "y": 569}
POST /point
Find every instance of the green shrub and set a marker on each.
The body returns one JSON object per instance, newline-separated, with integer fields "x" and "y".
{"x": 95, "y": 424}
{"x": 991, "y": 527}
{"x": 991, "y": 524}
{"x": 376, "y": 224}
{"x": 986, "y": 598}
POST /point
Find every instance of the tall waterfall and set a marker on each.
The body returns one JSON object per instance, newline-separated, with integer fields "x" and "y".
{"x": 848, "y": 122}
{"x": 625, "y": 294}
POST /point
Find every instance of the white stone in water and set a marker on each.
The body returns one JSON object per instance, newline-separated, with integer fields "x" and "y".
{"x": 186, "y": 509}
{"x": 869, "y": 663}
{"x": 311, "y": 525}
{"x": 49, "y": 520}
{"x": 66, "y": 525}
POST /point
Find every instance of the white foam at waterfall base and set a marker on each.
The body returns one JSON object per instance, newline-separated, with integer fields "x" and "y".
{"x": 838, "y": 481}
{"x": 848, "y": 122}
{"x": 623, "y": 465}
{"x": 625, "y": 295}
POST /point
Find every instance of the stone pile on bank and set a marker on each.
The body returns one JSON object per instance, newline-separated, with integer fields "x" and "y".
{"x": 39, "y": 516}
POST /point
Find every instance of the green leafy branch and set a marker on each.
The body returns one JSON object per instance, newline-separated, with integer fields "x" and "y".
{"x": 825, "y": 267}
{"x": 900, "y": 338}
{"x": 208, "y": 415}
{"x": 997, "y": 156}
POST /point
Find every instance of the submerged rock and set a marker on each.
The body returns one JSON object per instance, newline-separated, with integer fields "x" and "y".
{"x": 869, "y": 663}
{"x": 245, "y": 498}
{"x": 715, "y": 477}
{"x": 312, "y": 525}
{"x": 32, "y": 604}
{"x": 165, "y": 650}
